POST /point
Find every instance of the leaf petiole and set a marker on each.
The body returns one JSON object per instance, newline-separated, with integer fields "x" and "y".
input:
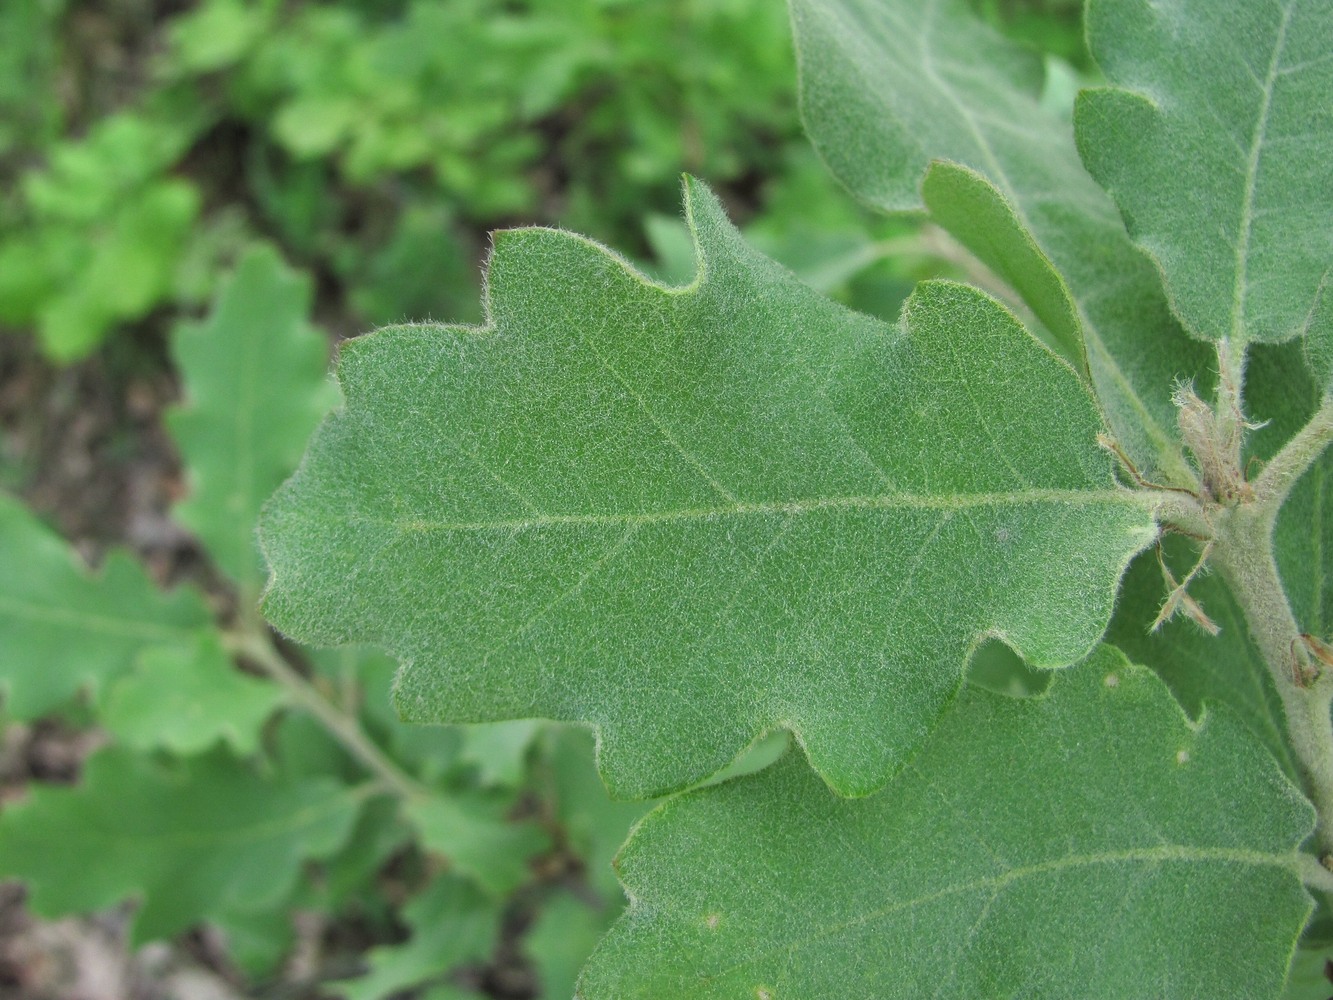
{"x": 260, "y": 650}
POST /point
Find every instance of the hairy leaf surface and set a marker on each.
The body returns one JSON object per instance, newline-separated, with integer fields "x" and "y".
{"x": 1215, "y": 141}
{"x": 65, "y": 628}
{"x": 887, "y": 86}
{"x": 688, "y": 516}
{"x": 255, "y": 384}
{"x": 973, "y": 210}
{"x": 204, "y": 834}
{"x": 1090, "y": 841}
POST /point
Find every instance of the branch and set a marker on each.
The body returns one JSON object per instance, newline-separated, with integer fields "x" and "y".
{"x": 1301, "y": 452}
{"x": 260, "y": 650}
{"x": 1314, "y": 874}
{"x": 1244, "y": 555}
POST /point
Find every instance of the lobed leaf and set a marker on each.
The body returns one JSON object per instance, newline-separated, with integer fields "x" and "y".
{"x": 187, "y": 700}
{"x": 66, "y": 629}
{"x": 690, "y": 516}
{"x": 1214, "y": 139}
{"x": 255, "y": 386}
{"x": 1090, "y": 842}
{"x": 888, "y": 86}
{"x": 204, "y": 834}
{"x": 473, "y": 833}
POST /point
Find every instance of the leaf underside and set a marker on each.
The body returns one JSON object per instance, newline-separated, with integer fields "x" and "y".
{"x": 689, "y": 516}
{"x": 1088, "y": 843}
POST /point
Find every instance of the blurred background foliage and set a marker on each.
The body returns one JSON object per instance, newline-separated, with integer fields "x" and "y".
{"x": 338, "y": 165}
{"x": 378, "y": 141}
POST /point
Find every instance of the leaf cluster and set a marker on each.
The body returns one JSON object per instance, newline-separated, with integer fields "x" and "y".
{"x": 361, "y": 137}
{"x": 690, "y": 515}
{"x": 1026, "y": 592}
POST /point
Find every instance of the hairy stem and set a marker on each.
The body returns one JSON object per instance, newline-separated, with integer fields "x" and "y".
{"x": 1314, "y": 874}
{"x": 1244, "y": 555}
{"x": 260, "y": 650}
{"x": 1288, "y": 465}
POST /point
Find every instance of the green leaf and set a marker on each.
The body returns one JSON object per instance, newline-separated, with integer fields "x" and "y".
{"x": 1214, "y": 139}
{"x": 997, "y": 668}
{"x": 65, "y": 629}
{"x": 255, "y": 386}
{"x": 1224, "y": 669}
{"x": 887, "y": 86}
{"x": 1319, "y": 337}
{"x": 977, "y": 214}
{"x": 451, "y": 923}
{"x": 216, "y": 35}
{"x": 592, "y": 824}
{"x": 561, "y": 939}
{"x": 187, "y": 700}
{"x": 499, "y": 750}
{"x": 472, "y": 832}
{"x": 1090, "y": 840}
{"x": 1281, "y": 396}
{"x": 690, "y": 516}
{"x": 1308, "y": 980}
{"x": 351, "y": 878}
{"x": 256, "y": 942}
{"x": 363, "y": 677}
{"x": 187, "y": 839}
{"x": 120, "y": 271}
{"x": 1303, "y": 543}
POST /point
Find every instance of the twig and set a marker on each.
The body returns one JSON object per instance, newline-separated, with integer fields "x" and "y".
{"x": 260, "y": 650}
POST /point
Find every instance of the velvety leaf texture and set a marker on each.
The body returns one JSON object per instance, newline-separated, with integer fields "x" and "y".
{"x": 1088, "y": 843}
{"x": 887, "y": 86}
{"x": 1215, "y": 141}
{"x": 206, "y": 834}
{"x": 969, "y": 206}
{"x": 688, "y": 516}
{"x": 65, "y": 628}
{"x": 255, "y": 385}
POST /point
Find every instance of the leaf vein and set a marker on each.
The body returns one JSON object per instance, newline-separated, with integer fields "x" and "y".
{"x": 893, "y": 501}
{"x": 1240, "y": 288}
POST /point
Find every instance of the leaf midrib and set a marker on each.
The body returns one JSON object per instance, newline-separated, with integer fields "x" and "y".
{"x": 1241, "y": 287}
{"x": 897, "y": 501}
